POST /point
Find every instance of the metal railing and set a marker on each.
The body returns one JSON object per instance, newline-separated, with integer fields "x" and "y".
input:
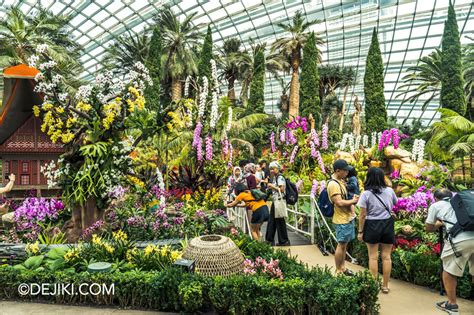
{"x": 238, "y": 216}
{"x": 313, "y": 221}
{"x": 301, "y": 222}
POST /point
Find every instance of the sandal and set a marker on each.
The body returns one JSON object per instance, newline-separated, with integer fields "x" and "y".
{"x": 385, "y": 290}
{"x": 349, "y": 273}
{"x": 448, "y": 308}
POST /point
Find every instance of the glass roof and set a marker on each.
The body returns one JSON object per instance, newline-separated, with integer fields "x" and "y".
{"x": 408, "y": 30}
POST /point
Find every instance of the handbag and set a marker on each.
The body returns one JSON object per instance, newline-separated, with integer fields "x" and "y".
{"x": 279, "y": 204}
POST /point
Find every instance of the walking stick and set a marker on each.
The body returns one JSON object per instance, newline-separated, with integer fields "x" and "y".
{"x": 441, "y": 245}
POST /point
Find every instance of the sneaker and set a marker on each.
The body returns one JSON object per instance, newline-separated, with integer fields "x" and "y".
{"x": 349, "y": 272}
{"x": 287, "y": 243}
{"x": 448, "y": 308}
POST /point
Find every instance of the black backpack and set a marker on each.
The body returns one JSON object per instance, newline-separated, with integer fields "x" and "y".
{"x": 463, "y": 206}
{"x": 291, "y": 193}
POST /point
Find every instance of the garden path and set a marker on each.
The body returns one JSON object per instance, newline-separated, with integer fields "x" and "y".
{"x": 404, "y": 298}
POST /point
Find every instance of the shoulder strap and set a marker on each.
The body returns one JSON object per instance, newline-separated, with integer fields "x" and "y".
{"x": 380, "y": 199}
{"x": 344, "y": 196}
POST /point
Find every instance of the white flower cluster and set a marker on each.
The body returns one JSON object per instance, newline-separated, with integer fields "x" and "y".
{"x": 351, "y": 143}
{"x": 140, "y": 76}
{"x": 214, "y": 74}
{"x": 47, "y": 65}
{"x": 343, "y": 143}
{"x": 373, "y": 138}
{"x": 111, "y": 178}
{"x": 214, "y": 110}
{"x": 57, "y": 79}
{"x": 52, "y": 173}
{"x": 84, "y": 93}
{"x": 186, "y": 86}
{"x": 379, "y": 136}
{"x": 161, "y": 184}
{"x": 62, "y": 97}
{"x": 418, "y": 150}
{"x": 39, "y": 77}
{"x": 229, "y": 119}
{"x": 33, "y": 60}
{"x": 365, "y": 141}
{"x": 104, "y": 79}
{"x": 203, "y": 96}
{"x": 42, "y": 48}
{"x": 43, "y": 87}
{"x": 357, "y": 142}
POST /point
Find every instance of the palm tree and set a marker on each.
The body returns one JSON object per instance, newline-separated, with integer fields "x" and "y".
{"x": 126, "y": 51}
{"x": 291, "y": 47}
{"x": 229, "y": 59}
{"x": 348, "y": 80}
{"x": 331, "y": 77}
{"x": 179, "y": 54}
{"x": 423, "y": 79}
{"x": 21, "y": 33}
{"x": 452, "y": 137}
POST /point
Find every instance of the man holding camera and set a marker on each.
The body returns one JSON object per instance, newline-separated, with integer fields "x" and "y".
{"x": 457, "y": 252}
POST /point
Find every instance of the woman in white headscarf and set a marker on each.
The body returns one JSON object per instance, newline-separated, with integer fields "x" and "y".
{"x": 236, "y": 177}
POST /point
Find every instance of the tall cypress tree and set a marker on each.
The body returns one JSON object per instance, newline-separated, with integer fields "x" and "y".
{"x": 309, "y": 89}
{"x": 257, "y": 86}
{"x": 375, "y": 111}
{"x": 204, "y": 67}
{"x": 153, "y": 63}
{"x": 452, "y": 81}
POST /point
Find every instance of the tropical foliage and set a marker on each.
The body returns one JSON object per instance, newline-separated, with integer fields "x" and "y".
{"x": 291, "y": 47}
{"x": 309, "y": 90}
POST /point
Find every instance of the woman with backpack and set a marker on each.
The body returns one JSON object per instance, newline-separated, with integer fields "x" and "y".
{"x": 255, "y": 203}
{"x": 376, "y": 224}
{"x": 277, "y": 186}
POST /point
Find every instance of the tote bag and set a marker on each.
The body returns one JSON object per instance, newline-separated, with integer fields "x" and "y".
{"x": 280, "y": 207}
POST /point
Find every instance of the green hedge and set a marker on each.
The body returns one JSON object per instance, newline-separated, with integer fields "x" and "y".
{"x": 418, "y": 268}
{"x": 314, "y": 291}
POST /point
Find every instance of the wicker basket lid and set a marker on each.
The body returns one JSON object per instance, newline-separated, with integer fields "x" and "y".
{"x": 215, "y": 255}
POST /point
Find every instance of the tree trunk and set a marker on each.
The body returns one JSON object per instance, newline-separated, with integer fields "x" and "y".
{"x": 294, "y": 94}
{"x": 83, "y": 217}
{"x": 244, "y": 94}
{"x": 175, "y": 90}
{"x": 231, "y": 90}
{"x": 343, "y": 112}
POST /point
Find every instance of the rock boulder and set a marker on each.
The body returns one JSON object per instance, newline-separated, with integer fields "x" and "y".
{"x": 409, "y": 170}
{"x": 392, "y": 153}
{"x": 341, "y": 155}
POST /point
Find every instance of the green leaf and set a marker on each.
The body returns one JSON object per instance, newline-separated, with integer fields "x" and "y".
{"x": 33, "y": 262}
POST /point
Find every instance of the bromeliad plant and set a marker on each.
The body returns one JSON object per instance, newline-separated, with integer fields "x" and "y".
{"x": 99, "y": 126}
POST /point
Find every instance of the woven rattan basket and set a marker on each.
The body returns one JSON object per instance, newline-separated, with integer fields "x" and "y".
{"x": 214, "y": 255}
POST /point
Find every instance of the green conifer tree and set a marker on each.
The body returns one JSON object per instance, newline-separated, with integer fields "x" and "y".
{"x": 309, "y": 89}
{"x": 257, "y": 86}
{"x": 204, "y": 67}
{"x": 375, "y": 111}
{"x": 452, "y": 81}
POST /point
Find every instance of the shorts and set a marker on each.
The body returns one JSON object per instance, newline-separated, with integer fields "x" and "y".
{"x": 379, "y": 231}
{"x": 345, "y": 232}
{"x": 260, "y": 215}
{"x": 455, "y": 265}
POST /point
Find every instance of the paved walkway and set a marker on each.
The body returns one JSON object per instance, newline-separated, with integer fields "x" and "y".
{"x": 404, "y": 298}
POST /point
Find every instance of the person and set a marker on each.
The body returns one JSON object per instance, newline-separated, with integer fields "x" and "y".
{"x": 376, "y": 224}
{"x": 352, "y": 186}
{"x": 8, "y": 187}
{"x": 242, "y": 163}
{"x": 277, "y": 185}
{"x": 352, "y": 183}
{"x": 249, "y": 174}
{"x": 235, "y": 178}
{"x": 342, "y": 218}
{"x": 456, "y": 253}
{"x": 259, "y": 208}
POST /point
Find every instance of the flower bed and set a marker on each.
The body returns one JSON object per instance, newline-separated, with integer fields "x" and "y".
{"x": 274, "y": 282}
